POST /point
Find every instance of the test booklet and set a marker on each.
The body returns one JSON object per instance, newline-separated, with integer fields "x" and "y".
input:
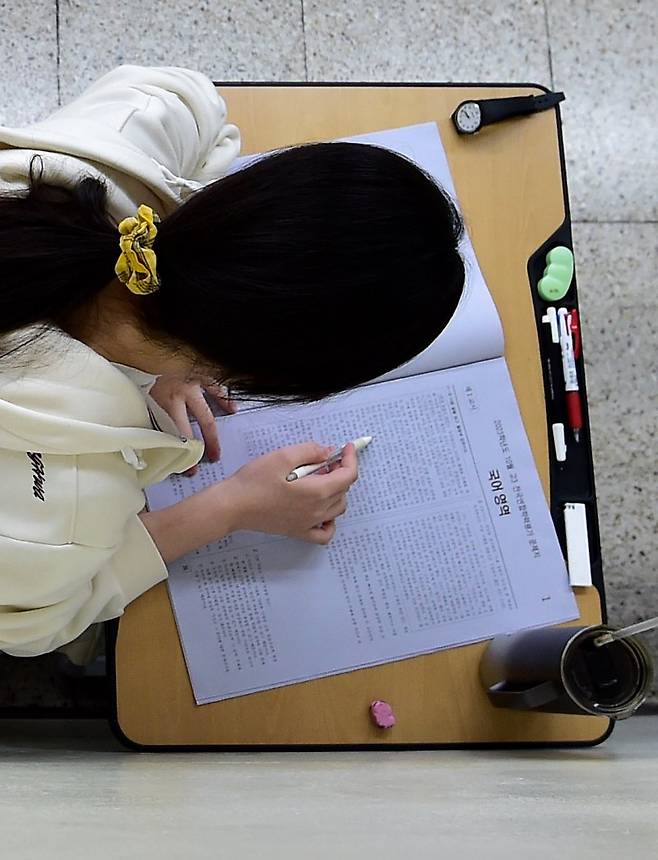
{"x": 447, "y": 538}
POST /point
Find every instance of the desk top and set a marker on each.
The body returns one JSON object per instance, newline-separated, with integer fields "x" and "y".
{"x": 509, "y": 182}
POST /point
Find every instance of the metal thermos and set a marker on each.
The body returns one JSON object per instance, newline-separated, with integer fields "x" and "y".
{"x": 560, "y": 670}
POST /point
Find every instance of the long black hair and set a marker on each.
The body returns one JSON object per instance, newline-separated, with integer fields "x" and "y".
{"x": 311, "y": 270}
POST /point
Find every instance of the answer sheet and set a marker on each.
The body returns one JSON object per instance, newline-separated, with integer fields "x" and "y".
{"x": 447, "y": 539}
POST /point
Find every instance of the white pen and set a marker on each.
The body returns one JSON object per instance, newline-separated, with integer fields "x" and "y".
{"x": 302, "y": 471}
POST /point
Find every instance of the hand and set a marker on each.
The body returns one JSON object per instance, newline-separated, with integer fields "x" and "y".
{"x": 178, "y": 397}
{"x": 262, "y": 499}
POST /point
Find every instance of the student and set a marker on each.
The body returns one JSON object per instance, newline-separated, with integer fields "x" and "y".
{"x": 136, "y": 274}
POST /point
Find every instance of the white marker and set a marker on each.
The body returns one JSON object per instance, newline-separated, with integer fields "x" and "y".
{"x": 302, "y": 471}
{"x": 550, "y": 318}
{"x": 578, "y": 561}
{"x": 559, "y": 442}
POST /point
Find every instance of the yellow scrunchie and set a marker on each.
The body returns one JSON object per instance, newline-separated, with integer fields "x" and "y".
{"x": 136, "y": 266}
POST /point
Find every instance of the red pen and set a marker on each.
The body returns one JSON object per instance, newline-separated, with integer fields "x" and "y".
{"x": 574, "y": 409}
{"x": 573, "y": 321}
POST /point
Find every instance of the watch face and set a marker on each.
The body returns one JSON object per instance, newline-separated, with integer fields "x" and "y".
{"x": 469, "y": 117}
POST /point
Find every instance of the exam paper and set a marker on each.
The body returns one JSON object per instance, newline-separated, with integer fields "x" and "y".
{"x": 447, "y": 539}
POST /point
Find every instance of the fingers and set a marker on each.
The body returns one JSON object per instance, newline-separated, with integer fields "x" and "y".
{"x": 337, "y": 509}
{"x": 305, "y": 453}
{"x": 220, "y": 395}
{"x": 199, "y": 408}
{"x": 340, "y": 478}
{"x": 178, "y": 412}
{"x": 322, "y": 534}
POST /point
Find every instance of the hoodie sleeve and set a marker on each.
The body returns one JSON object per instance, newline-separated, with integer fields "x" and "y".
{"x": 73, "y": 549}
{"x": 51, "y": 593}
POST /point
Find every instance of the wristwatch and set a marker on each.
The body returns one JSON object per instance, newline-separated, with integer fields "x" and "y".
{"x": 470, "y": 116}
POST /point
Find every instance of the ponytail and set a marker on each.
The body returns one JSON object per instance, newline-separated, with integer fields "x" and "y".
{"x": 58, "y": 248}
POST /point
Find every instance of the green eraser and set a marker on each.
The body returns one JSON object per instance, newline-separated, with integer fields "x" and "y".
{"x": 558, "y": 274}
{"x": 562, "y": 255}
{"x": 557, "y": 270}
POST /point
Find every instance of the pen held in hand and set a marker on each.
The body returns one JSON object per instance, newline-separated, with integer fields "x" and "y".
{"x": 302, "y": 471}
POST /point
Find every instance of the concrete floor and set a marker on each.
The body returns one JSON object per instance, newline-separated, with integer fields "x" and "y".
{"x": 70, "y": 791}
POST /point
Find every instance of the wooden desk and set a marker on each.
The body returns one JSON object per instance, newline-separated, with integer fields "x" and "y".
{"x": 509, "y": 181}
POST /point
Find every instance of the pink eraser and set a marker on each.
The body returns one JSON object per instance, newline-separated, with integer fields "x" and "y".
{"x": 382, "y": 714}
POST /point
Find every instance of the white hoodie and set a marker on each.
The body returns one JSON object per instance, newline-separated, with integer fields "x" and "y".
{"x": 79, "y": 436}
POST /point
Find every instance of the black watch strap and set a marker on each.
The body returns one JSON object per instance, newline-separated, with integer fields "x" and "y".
{"x": 495, "y": 110}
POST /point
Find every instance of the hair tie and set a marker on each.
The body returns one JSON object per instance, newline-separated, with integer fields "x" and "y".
{"x": 136, "y": 266}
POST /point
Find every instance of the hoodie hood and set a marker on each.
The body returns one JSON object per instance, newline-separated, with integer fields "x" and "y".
{"x": 158, "y": 134}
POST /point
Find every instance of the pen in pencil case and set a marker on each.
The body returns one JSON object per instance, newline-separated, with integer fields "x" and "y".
{"x": 302, "y": 471}
{"x": 552, "y": 337}
{"x": 572, "y": 393}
